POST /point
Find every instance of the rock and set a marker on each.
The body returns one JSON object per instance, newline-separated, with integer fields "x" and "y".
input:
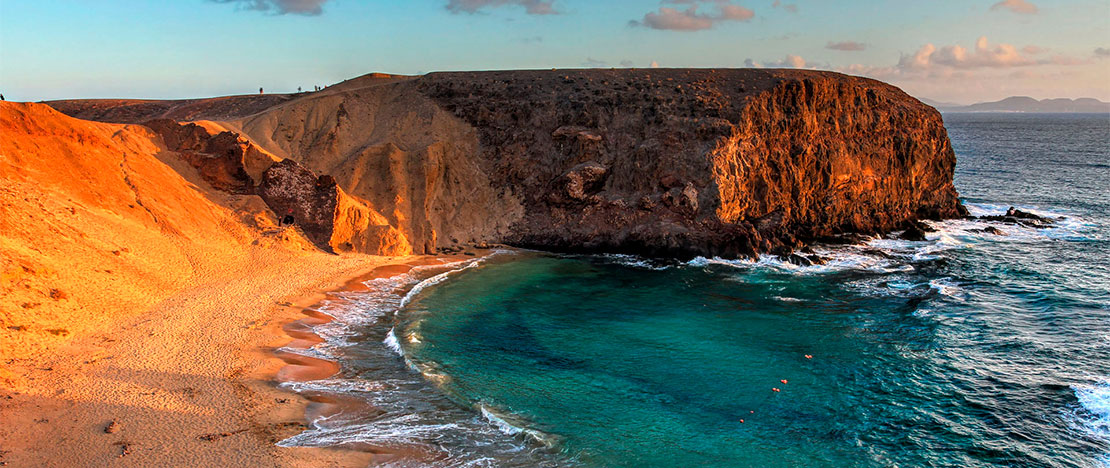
{"x": 1016, "y": 216}
{"x": 583, "y": 181}
{"x": 111, "y": 427}
{"x": 226, "y": 161}
{"x": 796, "y": 260}
{"x": 824, "y": 153}
{"x": 913, "y": 233}
{"x": 331, "y": 219}
{"x": 683, "y": 200}
{"x": 990, "y": 230}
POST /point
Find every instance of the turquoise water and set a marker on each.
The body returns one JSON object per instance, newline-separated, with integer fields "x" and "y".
{"x": 969, "y": 349}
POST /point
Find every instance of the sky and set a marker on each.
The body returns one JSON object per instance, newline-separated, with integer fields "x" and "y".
{"x": 959, "y": 51}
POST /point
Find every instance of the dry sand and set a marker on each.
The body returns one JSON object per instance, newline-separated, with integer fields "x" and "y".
{"x": 189, "y": 383}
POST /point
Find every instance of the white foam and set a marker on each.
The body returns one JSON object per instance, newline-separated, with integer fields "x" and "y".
{"x": 892, "y": 255}
{"x": 498, "y": 421}
{"x": 434, "y": 280}
{"x": 501, "y": 422}
{"x": 1096, "y": 400}
{"x": 391, "y": 342}
{"x": 635, "y": 261}
{"x": 947, "y": 287}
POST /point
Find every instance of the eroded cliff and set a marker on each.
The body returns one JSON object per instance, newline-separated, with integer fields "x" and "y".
{"x": 728, "y": 162}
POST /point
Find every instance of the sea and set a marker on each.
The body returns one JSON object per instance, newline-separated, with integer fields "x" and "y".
{"x": 969, "y": 349}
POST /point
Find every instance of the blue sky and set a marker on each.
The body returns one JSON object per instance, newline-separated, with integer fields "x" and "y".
{"x": 961, "y": 51}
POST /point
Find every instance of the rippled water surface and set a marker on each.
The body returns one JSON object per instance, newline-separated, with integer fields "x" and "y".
{"x": 969, "y": 349}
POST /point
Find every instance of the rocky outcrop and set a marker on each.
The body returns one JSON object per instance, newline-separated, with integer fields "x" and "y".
{"x": 225, "y": 161}
{"x": 1016, "y": 216}
{"x": 661, "y": 162}
{"x": 331, "y": 219}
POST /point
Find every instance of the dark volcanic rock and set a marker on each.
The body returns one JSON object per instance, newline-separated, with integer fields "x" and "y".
{"x": 330, "y": 218}
{"x": 990, "y": 230}
{"x": 1016, "y": 216}
{"x": 913, "y": 233}
{"x": 715, "y": 162}
{"x": 291, "y": 190}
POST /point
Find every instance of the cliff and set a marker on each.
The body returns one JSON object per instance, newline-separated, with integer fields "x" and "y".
{"x": 657, "y": 162}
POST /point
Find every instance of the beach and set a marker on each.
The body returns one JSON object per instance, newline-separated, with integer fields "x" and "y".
{"x": 190, "y": 382}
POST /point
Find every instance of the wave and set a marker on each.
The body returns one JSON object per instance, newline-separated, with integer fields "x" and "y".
{"x": 434, "y": 280}
{"x": 391, "y": 342}
{"x": 501, "y": 421}
{"x": 893, "y": 255}
{"x": 1094, "y": 400}
{"x": 635, "y": 261}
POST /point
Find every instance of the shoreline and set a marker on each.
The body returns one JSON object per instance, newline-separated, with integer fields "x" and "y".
{"x": 294, "y": 333}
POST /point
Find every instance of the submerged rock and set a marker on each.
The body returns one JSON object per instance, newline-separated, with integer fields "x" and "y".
{"x": 1016, "y": 216}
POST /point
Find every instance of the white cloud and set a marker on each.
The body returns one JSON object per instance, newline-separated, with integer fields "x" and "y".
{"x": 983, "y": 55}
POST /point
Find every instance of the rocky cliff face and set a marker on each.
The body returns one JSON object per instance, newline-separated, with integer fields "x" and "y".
{"x": 656, "y": 162}
{"x": 703, "y": 162}
{"x": 329, "y": 217}
{"x": 333, "y": 220}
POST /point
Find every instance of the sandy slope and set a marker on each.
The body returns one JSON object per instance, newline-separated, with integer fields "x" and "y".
{"x": 132, "y": 291}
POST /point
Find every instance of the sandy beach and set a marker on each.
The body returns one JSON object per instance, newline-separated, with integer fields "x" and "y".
{"x": 191, "y": 382}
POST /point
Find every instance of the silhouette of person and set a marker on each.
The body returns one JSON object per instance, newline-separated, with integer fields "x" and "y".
{"x": 259, "y": 90}
{"x": 2, "y": 97}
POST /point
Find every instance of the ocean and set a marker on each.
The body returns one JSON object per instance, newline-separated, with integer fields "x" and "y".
{"x": 969, "y": 349}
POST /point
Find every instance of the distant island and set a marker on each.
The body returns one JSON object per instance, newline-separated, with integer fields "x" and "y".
{"x": 1028, "y": 104}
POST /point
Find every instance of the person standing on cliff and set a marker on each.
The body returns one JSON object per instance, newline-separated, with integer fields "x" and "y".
{"x": 259, "y": 90}
{"x": 2, "y": 97}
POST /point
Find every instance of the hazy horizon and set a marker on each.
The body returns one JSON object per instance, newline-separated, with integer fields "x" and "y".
{"x": 949, "y": 51}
